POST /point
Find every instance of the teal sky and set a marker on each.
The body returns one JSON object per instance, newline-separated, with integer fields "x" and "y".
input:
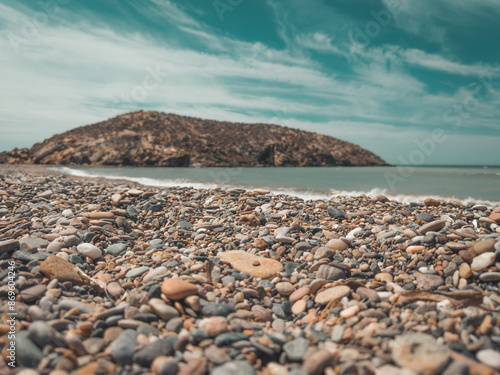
{"x": 383, "y": 74}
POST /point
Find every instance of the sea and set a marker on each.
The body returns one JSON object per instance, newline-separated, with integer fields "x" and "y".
{"x": 470, "y": 185}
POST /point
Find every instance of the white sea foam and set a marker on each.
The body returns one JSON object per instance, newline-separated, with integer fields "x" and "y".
{"x": 303, "y": 194}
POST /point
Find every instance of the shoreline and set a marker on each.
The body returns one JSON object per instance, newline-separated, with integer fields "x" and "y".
{"x": 116, "y": 276}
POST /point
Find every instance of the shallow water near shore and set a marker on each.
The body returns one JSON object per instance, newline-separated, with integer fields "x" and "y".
{"x": 469, "y": 184}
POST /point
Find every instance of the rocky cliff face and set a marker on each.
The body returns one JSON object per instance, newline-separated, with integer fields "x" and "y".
{"x": 168, "y": 140}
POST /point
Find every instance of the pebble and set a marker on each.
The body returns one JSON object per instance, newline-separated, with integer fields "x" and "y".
{"x": 178, "y": 289}
{"x": 330, "y": 294}
{"x": 316, "y": 363}
{"x": 251, "y": 265}
{"x": 193, "y": 281}
{"x": 336, "y": 244}
{"x": 489, "y": 357}
{"x": 136, "y": 272}
{"x": 89, "y": 250}
{"x": 483, "y": 261}
{"x": 296, "y": 349}
{"x": 7, "y": 246}
{"x": 122, "y": 349}
{"x": 164, "y": 311}
{"x": 234, "y": 368}
{"x": 433, "y": 226}
{"x": 421, "y": 353}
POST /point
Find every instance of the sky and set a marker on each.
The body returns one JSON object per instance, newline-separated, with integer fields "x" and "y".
{"x": 416, "y": 82}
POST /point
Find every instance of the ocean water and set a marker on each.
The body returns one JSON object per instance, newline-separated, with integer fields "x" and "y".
{"x": 406, "y": 184}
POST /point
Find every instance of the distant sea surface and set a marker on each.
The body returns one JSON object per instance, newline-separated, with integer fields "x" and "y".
{"x": 406, "y": 184}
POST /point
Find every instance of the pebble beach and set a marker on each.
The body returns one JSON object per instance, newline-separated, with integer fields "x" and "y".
{"x": 110, "y": 277}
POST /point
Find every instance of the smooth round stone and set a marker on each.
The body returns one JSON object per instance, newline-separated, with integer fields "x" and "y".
{"x": 433, "y": 226}
{"x": 428, "y": 282}
{"x": 490, "y": 276}
{"x": 122, "y": 349}
{"x": 67, "y": 213}
{"x": 136, "y": 272}
{"x": 167, "y": 366}
{"x": 323, "y": 252}
{"x": 431, "y": 202}
{"x": 33, "y": 293}
{"x": 415, "y": 249}
{"x": 116, "y": 249}
{"x": 384, "y": 276}
{"x": 465, "y": 272}
{"x": 349, "y": 312}
{"x": 456, "y": 246}
{"x": 483, "y": 261}
{"x": 336, "y": 292}
{"x": 214, "y": 326}
{"x": 115, "y": 289}
{"x": 489, "y": 357}
{"x": 299, "y": 307}
{"x": 27, "y": 353}
{"x": 420, "y": 352}
{"x": 234, "y": 368}
{"x": 299, "y": 293}
{"x": 164, "y": 311}
{"x": 317, "y": 362}
{"x": 177, "y": 289}
{"x": 262, "y": 313}
{"x": 371, "y": 294}
{"x": 89, "y": 250}
{"x": 156, "y": 272}
{"x": 285, "y": 288}
{"x": 484, "y": 246}
{"x": 296, "y": 349}
{"x": 336, "y": 244}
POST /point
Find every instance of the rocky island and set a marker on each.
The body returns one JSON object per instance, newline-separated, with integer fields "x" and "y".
{"x": 167, "y": 140}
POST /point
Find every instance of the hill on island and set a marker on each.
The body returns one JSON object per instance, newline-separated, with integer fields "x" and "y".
{"x": 167, "y": 140}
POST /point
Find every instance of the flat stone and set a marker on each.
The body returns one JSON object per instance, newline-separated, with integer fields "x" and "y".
{"x": 428, "y": 282}
{"x": 164, "y": 311}
{"x": 214, "y": 326}
{"x": 154, "y": 273}
{"x": 122, "y": 349}
{"x": 489, "y": 357}
{"x": 371, "y": 294}
{"x": 336, "y": 213}
{"x": 484, "y": 246}
{"x": 285, "y": 288}
{"x": 8, "y": 246}
{"x": 349, "y": 312}
{"x": 32, "y": 244}
{"x": 317, "y": 362}
{"x": 33, "y": 293}
{"x": 55, "y": 267}
{"x": 433, "y": 226}
{"x": 27, "y": 353}
{"x": 299, "y": 307}
{"x": 336, "y": 244}
{"x": 495, "y": 215}
{"x": 217, "y": 309}
{"x": 336, "y": 292}
{"x": 299, "y": 293}
{"x": 234, "y": 368}
{"x": 483, "y": 261}
{"x": 97, "y": 215}
{"x": 116, "y": 249}
{"x": 89, "y": 250}
{"x": 115, "y": 289}
{"x": 465, "y": 271}
{"x": 421, "y": 353}
{"x": 490, "y": 276}
{"x": 296, "y": 349}
{"x": 415, "y": 249}
{"x": 330, "y": 273}
{"x": 136, "y": 272}
{"x": 177, "y": 289}
{"x": 251, "y": 265}
{"x": 431, "y": 202}
{"x": 228, "y": 338}
{"x": 148, "y": 353}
